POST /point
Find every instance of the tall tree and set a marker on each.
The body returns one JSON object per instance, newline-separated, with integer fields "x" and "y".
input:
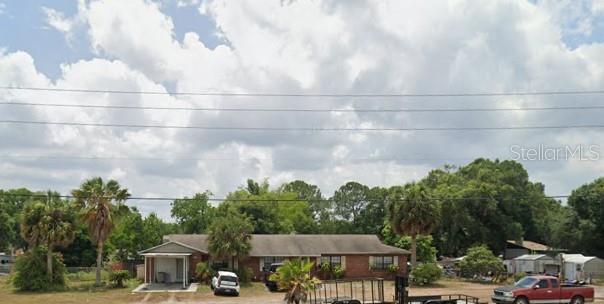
{"x": 7, "y": 232}
{"x": 12, "y": 202}
{"x": 426, "y": 252}
{"x": 230, "y": 236}
{"x": 311, "y": 194}
{"x": 81, "y": 252}
{"x": 99, "y": 202}
{"x": 489, "y": 202}
{"x": 588, "y": 203}
{"x": 127, "y": 238}
{"x": 193, "y": 215}
{"x": 49, "y": 224}
{"x": 349, "y": 200}
{"x": 371, "y": 218}
{"x": 154, "y": 230}
{"x": 412, "y": 212}
{"x": 259, "y": 205}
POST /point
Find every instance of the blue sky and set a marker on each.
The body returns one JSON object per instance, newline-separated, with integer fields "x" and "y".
{"x": 26, "y": 29}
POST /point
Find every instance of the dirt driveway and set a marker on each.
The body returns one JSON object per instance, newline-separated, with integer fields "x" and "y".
{"x": 255, "y": 294}
{"x": 258, "y": 295}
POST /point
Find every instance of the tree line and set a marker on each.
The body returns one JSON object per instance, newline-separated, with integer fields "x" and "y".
{"x": 443, "y": 214}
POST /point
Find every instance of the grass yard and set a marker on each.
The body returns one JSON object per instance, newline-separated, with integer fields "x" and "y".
{"x": 84, "y": 292}
{"x": 79, "y": 292}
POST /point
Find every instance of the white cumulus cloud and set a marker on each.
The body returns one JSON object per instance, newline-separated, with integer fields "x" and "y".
{"x": 311, "y": 47}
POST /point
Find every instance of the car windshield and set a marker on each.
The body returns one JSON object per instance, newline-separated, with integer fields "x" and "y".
{"x": 228, "y": 279}
{"x": 526, "y": 282}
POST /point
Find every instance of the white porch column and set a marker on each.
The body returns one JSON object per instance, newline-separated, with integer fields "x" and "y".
{"x": 145, "y": 269}
{"x": 184, "y": 273}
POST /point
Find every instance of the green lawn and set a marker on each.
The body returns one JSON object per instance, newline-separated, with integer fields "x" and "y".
{"x": 84, "y": 292}
{"x": 78, "y": 292}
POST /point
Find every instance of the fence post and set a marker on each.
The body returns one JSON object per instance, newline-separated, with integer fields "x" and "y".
{"x": 363, "y": 290}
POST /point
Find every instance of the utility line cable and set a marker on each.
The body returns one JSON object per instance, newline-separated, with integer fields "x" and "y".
{"x": 380, "y": 110}
{"x": 310, "y": 129}
{"x": 304, "y": 95}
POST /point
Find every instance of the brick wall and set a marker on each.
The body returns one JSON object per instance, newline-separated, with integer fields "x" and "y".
{"x": 193, "y": 260}
{"x": 357, "y": 266}
{"x": 254, "y": 264}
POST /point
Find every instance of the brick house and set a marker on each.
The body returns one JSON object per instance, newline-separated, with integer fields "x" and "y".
{"x": 361, "y": 256}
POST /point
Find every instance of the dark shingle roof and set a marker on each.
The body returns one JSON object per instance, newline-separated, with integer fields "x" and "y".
{"x": 301, "y": 244}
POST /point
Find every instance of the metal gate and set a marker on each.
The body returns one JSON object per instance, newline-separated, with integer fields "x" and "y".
{"x": 369, "y": 290}
{"x": 400, "y": 289}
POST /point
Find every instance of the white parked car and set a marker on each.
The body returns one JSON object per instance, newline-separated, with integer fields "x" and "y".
{"x": 225, "y": 282}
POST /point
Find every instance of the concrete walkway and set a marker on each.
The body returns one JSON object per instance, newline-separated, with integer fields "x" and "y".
{"x": 176, "y": 287}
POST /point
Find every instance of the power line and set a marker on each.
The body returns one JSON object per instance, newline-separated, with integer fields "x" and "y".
{"x": 310, "y": 129}
{"x": 304, "y": 95}
{"x": 207, "y": 109}
{"x": 158, "y": 198}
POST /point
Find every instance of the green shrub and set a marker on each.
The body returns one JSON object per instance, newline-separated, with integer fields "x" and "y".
{"x": 325, "y": 268}
{"x": 245, "y": 275}
{"x": 519, "y": 276}
{"x": 29, "y": 272}
{"x": 480, "y": 261}
{"x": 338, "y": 272}
{"x": 118, "y": 277}
{"x": 425, "y": 274}
{"x": 203, "y": 272}
{"x": 86, "y": 276}
{"x": 393, "y": 268}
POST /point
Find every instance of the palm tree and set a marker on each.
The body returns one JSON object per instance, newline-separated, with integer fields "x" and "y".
{"x": 295, "y": 276}
{"x": 48, "y": 223}
{"x": 412, "y": 213}
{"x": 229, "y": 237}
{"x": 99, "y": 202}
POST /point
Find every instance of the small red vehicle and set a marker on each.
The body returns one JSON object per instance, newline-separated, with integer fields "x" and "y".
{"x": 541, "y": 290}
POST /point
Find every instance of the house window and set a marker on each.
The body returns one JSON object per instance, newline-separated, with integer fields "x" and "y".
{"x": 332, "y": 260}
{"x": 220, "y": 265}
{"x": 381, "y": 262}
{"x": 272, "y": 260}
{"x": 267, "y": 261}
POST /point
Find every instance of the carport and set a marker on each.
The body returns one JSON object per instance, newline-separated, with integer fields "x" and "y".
{"x": 170, "y": 265}
{"x": 166, "y": 268}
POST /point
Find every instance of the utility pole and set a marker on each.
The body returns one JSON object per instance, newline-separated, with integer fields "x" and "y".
{"x": 561, "y": 267}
